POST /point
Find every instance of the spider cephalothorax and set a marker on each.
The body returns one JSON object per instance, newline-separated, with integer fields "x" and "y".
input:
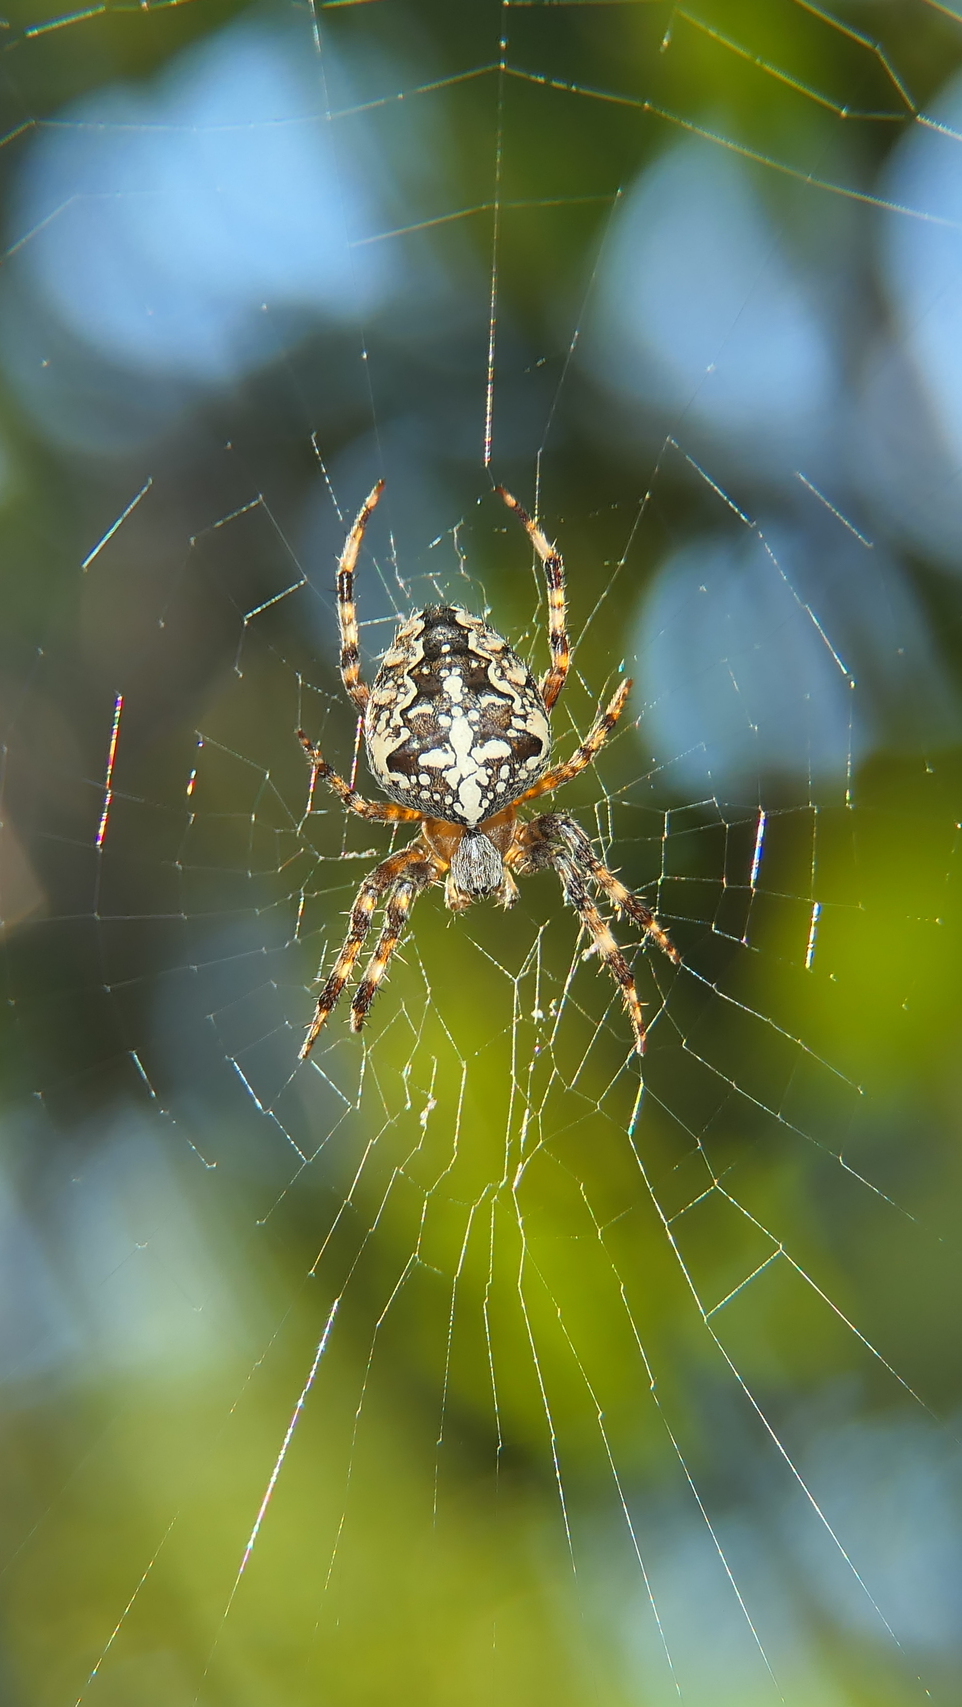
{"x": 458, "y": 736}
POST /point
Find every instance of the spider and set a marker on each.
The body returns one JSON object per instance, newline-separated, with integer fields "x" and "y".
{"x": 458, "y": 738}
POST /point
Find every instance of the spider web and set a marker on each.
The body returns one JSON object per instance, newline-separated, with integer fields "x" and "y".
{"x": 468, "y": 1361}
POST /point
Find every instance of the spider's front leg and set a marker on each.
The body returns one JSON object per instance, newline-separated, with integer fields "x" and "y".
{"x": 414, "y": 864}
{"x": 399, "y": 903}
{"x": 559, "y": 826}
{"x": 558, "y": 841}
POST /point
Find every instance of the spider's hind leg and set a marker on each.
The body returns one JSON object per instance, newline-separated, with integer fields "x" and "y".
{"x": 554, "y": 681}
{"x": 346, "y": 609}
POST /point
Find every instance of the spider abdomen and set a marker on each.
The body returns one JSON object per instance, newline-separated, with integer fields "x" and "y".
{"x": 455, "y": 725}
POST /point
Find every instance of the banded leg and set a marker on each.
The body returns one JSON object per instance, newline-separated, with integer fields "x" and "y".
{"x": 554, "y": 681}
{"x": 370, "y": 892}
{"x": 586, "y": 753}
{"x": 558, "y": 826}
{"x": 346, "y": 610}
{"x": 604, "y": 943}
{"x": 400, "y": 901}
{"x": 386, "y": 811}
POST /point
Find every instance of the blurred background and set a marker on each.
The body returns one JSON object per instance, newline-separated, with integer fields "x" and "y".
{"x": 466, "y": 1363}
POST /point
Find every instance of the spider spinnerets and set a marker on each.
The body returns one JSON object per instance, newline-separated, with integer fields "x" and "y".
{"x": 458, "y": 737}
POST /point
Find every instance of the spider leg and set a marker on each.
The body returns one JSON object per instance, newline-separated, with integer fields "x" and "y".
{"x": 586, "y": 753}
{"x": 399, "y": 903}
{"x": 558, "y": 826}
{"x": 554, "y": 681}
{"x": 604, "y": 943}
{"x": 347, "y": 613}
{"x": 557, "y": 840}
{"x": 370, "y": 892}
{"x": 386, "y": 812}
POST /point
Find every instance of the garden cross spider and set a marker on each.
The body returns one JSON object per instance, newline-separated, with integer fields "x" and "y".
{"x": 458, "y": 738}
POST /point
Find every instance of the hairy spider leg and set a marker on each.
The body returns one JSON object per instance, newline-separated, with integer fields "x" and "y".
{"x": 558, "y": 775}
{"x": 386, "y": 812}
{"x": 381, "y": 879}
{"x": 604, "y": 943}
{"x": 346, "y": 610}
{"x": 554, "y": 569}
{"x": 558, "y": 841}
{"x": 399, "y": 903}
{"x": 559, "y": 824}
